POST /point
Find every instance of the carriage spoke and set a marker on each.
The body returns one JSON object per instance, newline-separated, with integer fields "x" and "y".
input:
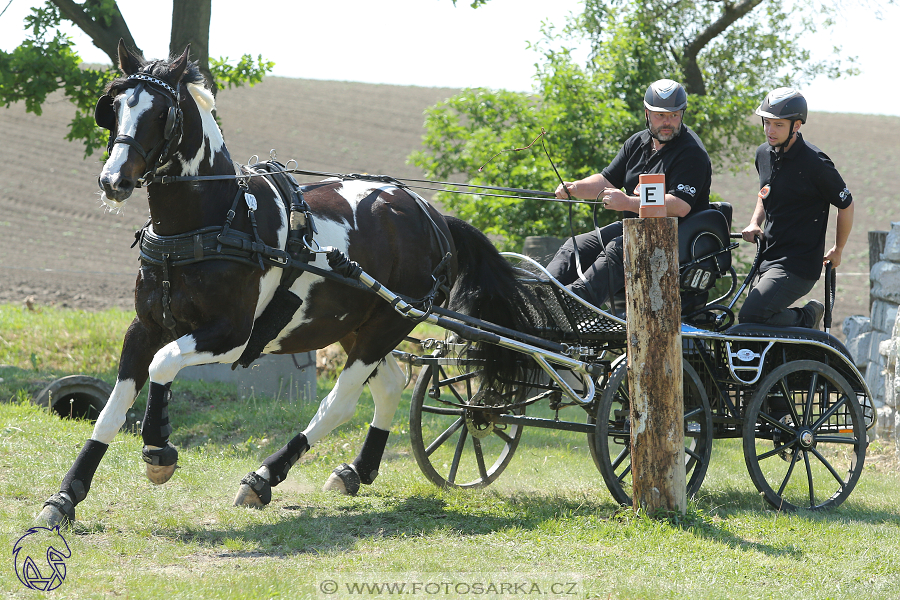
{"x": 622, "y": 456}
{"x": 809, "y": 479}
{"x": 787, "y": 476}
{"x": 439, "y": 441}
{"x": 624, "y": 473}
{"x": 836, "y": 439}
{"x": 457, "y": 456}
{"x": 777, "y": 450}
{"x": 690, "y": 452}
{"x": 479, "y": 458}
{"x": 828, "y": 466}
{"x": 503, "y": 436}
{"x": 441, "y": 410}
{"x": 777, "y": 423}
{"x": 788, "y": 398}
{"x": 810, "y": 395}
{"x": 828, "y": 414}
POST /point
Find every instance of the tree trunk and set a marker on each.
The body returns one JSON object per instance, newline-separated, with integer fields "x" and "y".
{"x": 190, "y": 25}
{"x": 693, "y": 75}
{"x": 106, "y": 37}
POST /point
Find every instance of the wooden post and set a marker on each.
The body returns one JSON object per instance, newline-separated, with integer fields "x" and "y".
{"x": 877, "y": 240}
{"x": 653, "y": 309}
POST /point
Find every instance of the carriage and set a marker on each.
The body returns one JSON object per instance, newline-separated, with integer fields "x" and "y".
{"x": 793, "y": 395}
{"x": 240, "y": 260}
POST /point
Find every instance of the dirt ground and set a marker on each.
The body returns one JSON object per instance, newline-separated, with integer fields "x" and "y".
{"x": 59, "y": 246}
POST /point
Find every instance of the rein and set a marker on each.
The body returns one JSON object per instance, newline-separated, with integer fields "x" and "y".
{"x": 531, "y": 194}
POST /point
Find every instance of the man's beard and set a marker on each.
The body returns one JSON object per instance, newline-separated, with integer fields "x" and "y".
{"x": 666, "y": 138}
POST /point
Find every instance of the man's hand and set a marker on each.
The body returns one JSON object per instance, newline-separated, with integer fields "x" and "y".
{"x": 614, "y": 199}
{"x": 833, "y": 255}
{"x": 751, "y": 232}
{"x": 561, "y": 191}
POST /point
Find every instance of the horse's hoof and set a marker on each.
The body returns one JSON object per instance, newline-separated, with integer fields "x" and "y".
{"x": 58, "y": 511}
{"x": 344, "y": 480}
{"x": 160, "y": 475}
{"x": 255, "y": 491}
{"x": 161, "y": 462}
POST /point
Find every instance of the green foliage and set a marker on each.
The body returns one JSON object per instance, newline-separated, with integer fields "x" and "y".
{"x": 247, "y": 70}
{"x": 46, "y": 61}
{"x": 589, "y": 110}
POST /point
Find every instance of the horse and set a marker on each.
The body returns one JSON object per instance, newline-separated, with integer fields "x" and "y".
{"x": 219, "y": 280}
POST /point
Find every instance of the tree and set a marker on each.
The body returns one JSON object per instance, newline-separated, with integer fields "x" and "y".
{"x": 46, "y": 60}
{"x": 728, "y": 54}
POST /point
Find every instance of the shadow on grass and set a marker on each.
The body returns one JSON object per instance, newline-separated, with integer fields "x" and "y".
{"x": 312, "y": 529}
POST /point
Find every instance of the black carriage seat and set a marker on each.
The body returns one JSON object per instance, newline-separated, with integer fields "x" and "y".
{"x": 703, "y": 254}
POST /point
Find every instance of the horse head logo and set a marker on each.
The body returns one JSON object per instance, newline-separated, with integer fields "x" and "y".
{"x": 39, "y": 556}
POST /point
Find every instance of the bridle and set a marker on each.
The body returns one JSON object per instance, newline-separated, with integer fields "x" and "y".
{"x": 104, "y": 115}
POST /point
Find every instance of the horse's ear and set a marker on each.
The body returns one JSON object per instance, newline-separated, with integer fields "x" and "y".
{"x": 128, "y": 62}
{"x": 180, "y": 64}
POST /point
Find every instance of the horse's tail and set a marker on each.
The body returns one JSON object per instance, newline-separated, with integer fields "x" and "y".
{"x": 487, "y": 288}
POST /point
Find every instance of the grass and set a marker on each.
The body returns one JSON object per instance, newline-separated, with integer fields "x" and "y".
{"x": 548, "y": 521}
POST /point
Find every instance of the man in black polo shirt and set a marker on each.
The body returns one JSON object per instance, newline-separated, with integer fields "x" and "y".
{"x": 666, "y": 146}
{"x": 798, "y": 184}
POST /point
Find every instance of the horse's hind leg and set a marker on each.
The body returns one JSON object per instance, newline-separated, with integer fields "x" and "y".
{"x": 386, "y": 385}
{"x": 137, "y": 351}
{"x": 336, "y": 408}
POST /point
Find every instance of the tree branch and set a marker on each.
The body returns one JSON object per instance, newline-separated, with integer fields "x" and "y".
{"x": 104, "y": 37}
{"x": 693, "y": 75}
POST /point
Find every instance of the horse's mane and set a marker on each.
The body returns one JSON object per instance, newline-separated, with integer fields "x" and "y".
{"x": 161, "y": 69}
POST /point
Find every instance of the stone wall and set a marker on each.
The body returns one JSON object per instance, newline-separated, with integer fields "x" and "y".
{"x": 874, "y": 342}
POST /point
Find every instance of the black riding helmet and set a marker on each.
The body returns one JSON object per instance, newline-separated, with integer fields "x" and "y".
{"x": 784, "y": 103}
{"x": 665, "y": 95}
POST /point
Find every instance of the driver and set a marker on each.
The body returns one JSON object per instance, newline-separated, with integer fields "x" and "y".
{"x": 665, "y": 146}
{"x": 798, "y": 184}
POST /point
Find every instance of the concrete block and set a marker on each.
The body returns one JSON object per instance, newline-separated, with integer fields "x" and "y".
{"x": 287, "y": 376}
{"x": 542, "y": 248}
{"x": 875, "y": 348}
{"x": 884, "y": 314}
{"x": 859, "y": 349}
{"x": 892, "y": 244}
{"x": 855, "y": 325}
{"x": 875, "y": 383}
{"x": 886, "y": 281}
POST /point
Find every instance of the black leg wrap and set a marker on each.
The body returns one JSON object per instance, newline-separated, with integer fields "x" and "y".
{"x": 64, "y": 505}
{"x": 156, "y": 427}
{"x": 369, "y": 458}
{"x": 350, "y": 478}
{"x": 281, "y": 462}
{"x": 259, "y": 485}
{"x": 163, "y": 457}
{"x": 275, "y": 317}
{"x": 77, "y": 481}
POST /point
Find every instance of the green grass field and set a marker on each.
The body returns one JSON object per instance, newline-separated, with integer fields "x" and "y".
{"x": 547, "y": 528}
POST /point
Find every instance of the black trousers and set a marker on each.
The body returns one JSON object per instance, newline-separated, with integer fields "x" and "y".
{"x": 603, "y": 264}
{"x": 771, "y": 296}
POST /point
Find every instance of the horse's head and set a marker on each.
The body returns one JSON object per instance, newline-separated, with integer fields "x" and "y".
{"x": 142, "y": 111}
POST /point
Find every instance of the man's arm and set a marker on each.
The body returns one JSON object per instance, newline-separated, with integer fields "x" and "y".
{"x": 844, "y": 225}
{"x": 755, "y": 227}
{"x": 588, "y": 188}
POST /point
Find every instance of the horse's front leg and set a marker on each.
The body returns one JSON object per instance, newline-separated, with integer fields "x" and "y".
{"x": 335, "y": 409}
{"x": 213, "y": 344}
{"x": 137, "y": 351}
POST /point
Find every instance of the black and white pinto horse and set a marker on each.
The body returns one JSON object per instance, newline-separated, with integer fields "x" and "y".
{"x": 204, "y": 309}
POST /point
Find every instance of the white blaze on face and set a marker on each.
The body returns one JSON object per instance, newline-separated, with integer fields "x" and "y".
{"x": 128, "y": 119}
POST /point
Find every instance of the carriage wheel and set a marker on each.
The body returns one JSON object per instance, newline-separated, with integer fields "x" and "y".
{"x": 458, "y": 447}
{"x": 610, "y": 443}
{"x": 804, "y": 437}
